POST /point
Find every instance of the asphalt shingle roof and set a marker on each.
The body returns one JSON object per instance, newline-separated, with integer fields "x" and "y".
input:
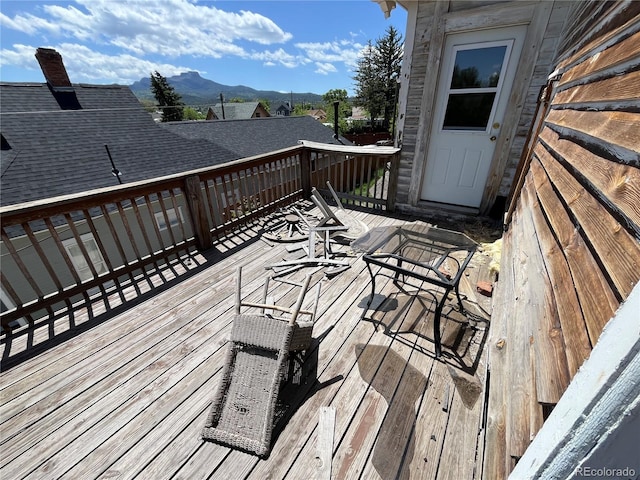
{"x": 49, "y": 152}
{"x": 235, "y": 111}
{"x": 256, "y": 136}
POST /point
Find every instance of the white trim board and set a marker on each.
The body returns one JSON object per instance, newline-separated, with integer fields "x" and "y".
{"x": 597, "y": 406}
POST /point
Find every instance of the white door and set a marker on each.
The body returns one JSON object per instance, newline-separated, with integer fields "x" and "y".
{"x": 473, "y": 91}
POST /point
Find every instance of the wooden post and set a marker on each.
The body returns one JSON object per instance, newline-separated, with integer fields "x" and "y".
{"x": 197, "y": 208}
{"x": 392, "y": 189}
{"x": 305, "y": 172}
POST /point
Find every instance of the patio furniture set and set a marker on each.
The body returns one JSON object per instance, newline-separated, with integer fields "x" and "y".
{"x": 265, "y": 334}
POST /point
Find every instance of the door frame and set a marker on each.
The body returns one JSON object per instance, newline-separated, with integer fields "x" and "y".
{"x": 511, "y": 38}
{"x": 535, "y": 17}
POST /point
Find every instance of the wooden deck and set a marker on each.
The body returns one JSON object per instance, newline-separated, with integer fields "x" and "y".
{"x": 125, "y": 394}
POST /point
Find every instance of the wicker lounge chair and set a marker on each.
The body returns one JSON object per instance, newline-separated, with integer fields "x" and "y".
{"x": 242, "y": 412}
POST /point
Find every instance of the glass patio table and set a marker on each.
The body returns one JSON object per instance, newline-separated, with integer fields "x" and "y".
{"x": 418, "y": 251}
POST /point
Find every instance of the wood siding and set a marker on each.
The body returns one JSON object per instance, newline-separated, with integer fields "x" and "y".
{"x": 434, "y": 21}
{"x": 572, "y": 246}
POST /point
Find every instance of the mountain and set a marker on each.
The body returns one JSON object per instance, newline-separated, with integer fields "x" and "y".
{"x": 196, "y": 90}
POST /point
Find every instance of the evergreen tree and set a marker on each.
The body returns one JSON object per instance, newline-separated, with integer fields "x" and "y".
{"x": 369, "y": 88}
{"x": 168, "y": 99}
{"x": 389, "y": 51}
{"x": 376, "y": 76}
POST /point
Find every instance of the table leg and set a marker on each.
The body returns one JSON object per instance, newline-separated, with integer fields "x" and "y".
{"x": 397, "y": 273}
{"x": 436, "y": 324}
{"x": 373, "y": 290}
{"x": 459, "y": 301}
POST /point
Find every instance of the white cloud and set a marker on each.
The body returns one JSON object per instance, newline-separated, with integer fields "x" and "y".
{"x": 86, "y": 65}
{"x": 325, "y": 68}
{"x": 278, "y": 57}
{"x": 135, "y": 35}
{"x": 344, "y": 51}
{"x": 170, "y": 27}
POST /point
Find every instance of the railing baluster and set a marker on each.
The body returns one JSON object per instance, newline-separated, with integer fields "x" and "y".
{"x": 43, "y": 258}
{"x": 143, "y": 231}
{"x": 65, "y": 256}
{"x": 371, "y": 177}
{"x": 21, "y": 266}
{"x": 103, "y": 251}
{"x": 74, "y": 231}
{"x": 235, "y": 193}
{"x": 176, "y": 209}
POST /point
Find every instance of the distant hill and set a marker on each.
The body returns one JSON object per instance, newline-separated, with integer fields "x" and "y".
{"x": 196, "y": 90}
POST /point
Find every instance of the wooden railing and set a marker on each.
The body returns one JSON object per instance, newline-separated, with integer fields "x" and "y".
{"x": 60, "y": 254}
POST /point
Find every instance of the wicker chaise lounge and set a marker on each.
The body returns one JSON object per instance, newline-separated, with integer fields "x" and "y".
{"x": 242, "y": 412}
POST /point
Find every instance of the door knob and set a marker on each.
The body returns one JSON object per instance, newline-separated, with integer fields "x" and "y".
{"x": 493, "y": 138}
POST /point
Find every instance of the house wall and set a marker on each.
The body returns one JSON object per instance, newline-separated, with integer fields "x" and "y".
{"x": 260, "y": 112}
{"x": 571, "y": 252}
{"x": 429, "y": 23}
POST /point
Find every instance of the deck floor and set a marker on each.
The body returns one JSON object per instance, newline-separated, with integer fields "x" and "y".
{"x": 126, "y": 393}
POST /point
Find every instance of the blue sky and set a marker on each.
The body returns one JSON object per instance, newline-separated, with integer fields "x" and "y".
{"x": 287, "y": 45}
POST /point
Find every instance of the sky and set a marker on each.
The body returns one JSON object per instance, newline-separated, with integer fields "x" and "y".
{"x": 287, "y": 45}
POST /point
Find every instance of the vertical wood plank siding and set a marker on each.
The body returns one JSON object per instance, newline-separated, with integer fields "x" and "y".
{"x": 576, "y": 212}
{"x": 40, "y": 278}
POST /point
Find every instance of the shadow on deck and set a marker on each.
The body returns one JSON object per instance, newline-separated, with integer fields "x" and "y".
{"x": 124, "y": 393}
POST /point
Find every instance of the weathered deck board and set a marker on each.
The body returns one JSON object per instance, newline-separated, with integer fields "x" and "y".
{"x": 127, "y": 398}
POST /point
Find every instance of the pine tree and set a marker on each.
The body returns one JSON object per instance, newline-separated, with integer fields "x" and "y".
{"x": 376, "y": 76}
{"x": 388, "y": 60}
{"x": 168, "y": 99}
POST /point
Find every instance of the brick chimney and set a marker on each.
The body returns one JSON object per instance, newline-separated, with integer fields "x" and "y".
{"x": 53, "y": 69}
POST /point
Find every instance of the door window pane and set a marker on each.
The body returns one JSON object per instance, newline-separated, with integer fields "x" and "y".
{"x": 478, "y": 67}
{"x": 468, "y": 111}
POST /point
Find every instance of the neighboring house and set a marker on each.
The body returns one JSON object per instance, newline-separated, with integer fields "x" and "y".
{"x": 358, "y": 113}
{"x": 61, "y": 138}
{"x": 237, "y": 111}
{"x": 545, "y": 115}
{"x": 285, "y": 109}
{"x": 318, "y": 114}
{"x": 268, "y": 135}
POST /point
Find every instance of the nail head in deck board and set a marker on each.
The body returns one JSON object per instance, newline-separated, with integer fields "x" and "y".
{"x": 618, "y": 251}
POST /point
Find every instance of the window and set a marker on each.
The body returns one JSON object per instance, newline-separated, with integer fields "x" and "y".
{"x": 80, "y": 261}
{"x": 171, "y": 215}
{"x": 474, "y": 84}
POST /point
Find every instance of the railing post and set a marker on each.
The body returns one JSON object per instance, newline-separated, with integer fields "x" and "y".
{"x": 305, "y": 172}
{"x": 392, "y": 189}
{"x": 197, "y": 208}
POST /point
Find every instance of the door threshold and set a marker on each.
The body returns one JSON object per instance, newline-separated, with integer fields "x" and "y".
{"x": 447, "y": 207}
